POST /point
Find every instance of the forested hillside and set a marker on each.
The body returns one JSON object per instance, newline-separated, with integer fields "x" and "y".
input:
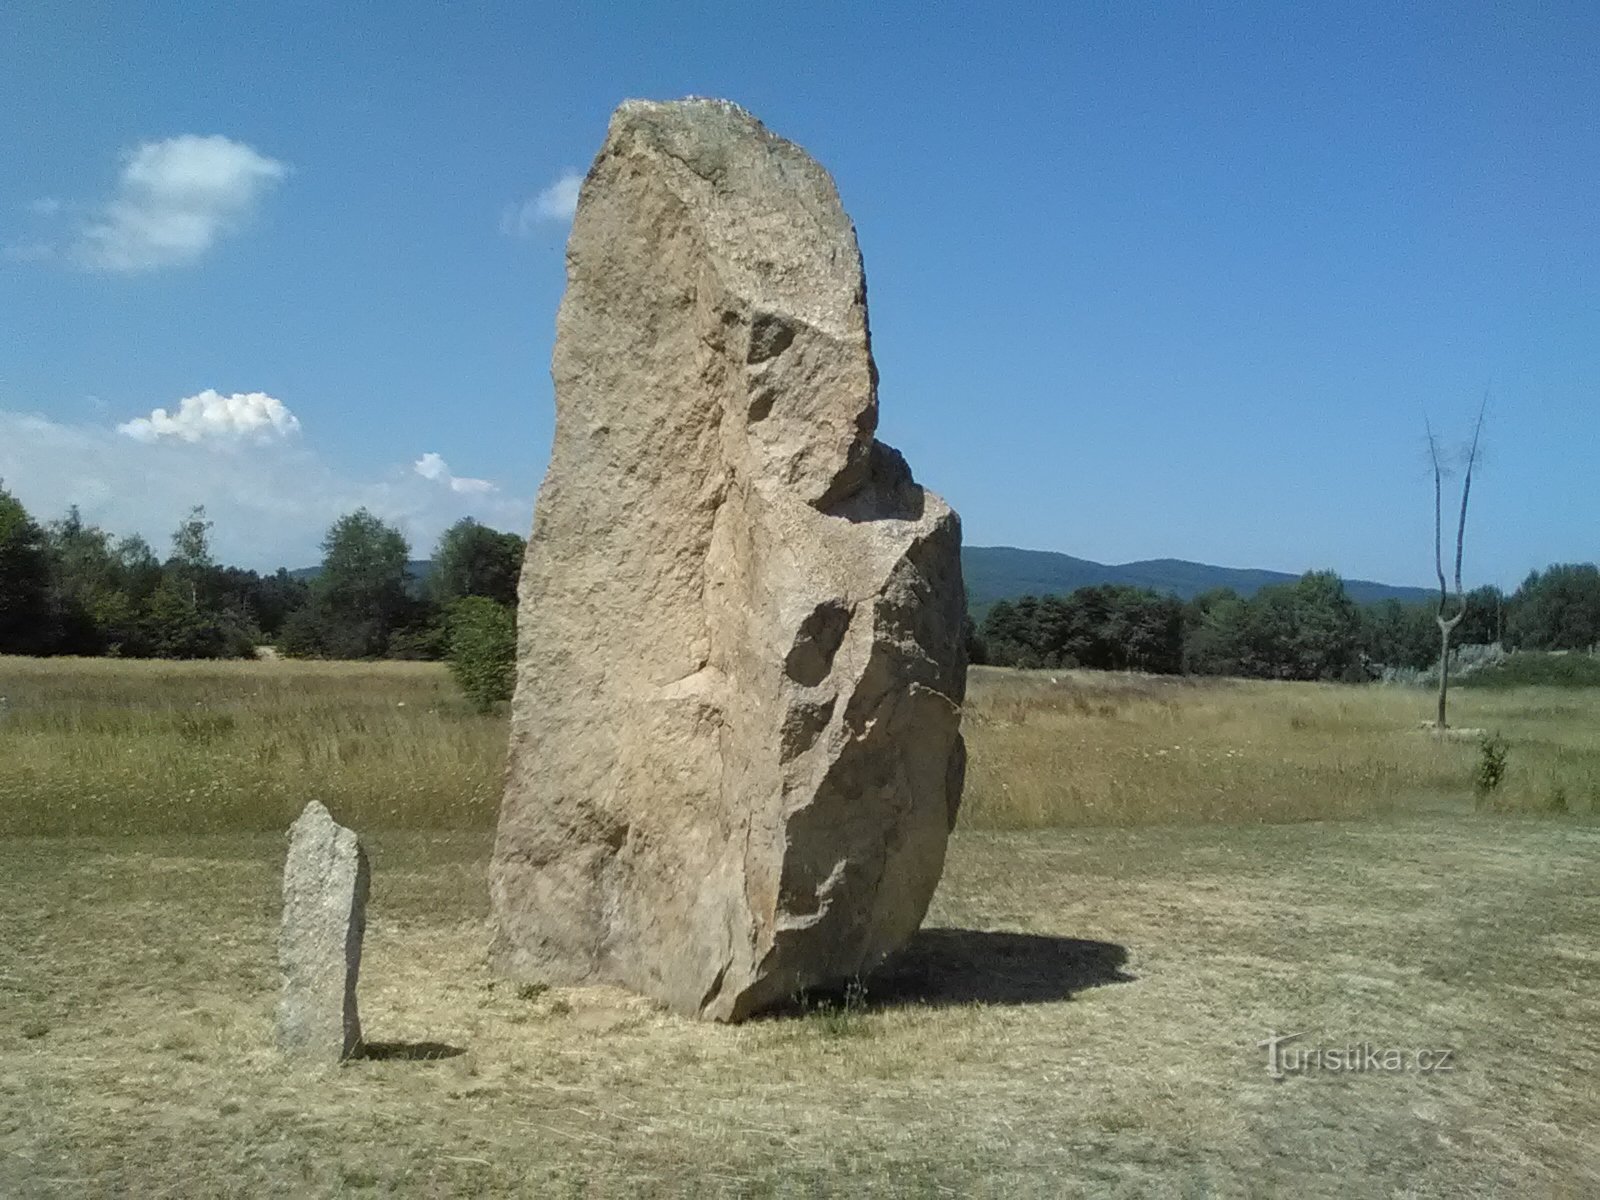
{"x": 67, "y": 587}
{"x": 1311, "y": 628}
{"x": 1006, "y": 573}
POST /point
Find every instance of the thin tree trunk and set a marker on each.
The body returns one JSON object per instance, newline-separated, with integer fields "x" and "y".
{"x": 1445, "y": 629}
{"x": 1447, "y": 625}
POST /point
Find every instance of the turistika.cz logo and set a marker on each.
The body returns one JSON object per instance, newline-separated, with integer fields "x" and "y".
{"x": 1285, "y": 1059}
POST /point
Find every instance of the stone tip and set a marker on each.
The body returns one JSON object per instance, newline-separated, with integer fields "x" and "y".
{"x": 314, "y": 813}
{"x": 706, "y": 116}
{"x": 711, "y": 103}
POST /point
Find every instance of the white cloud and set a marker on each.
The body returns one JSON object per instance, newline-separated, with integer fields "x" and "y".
{"x": 432, "y": 466}
{"x": 556, "y": 203}
{"x": 44, "y": 206}
{"x": 210, "y": 417}
{"x": 174, "y": 199}
{"x": 272, "y": 501}
{"x": 560, "y": 200}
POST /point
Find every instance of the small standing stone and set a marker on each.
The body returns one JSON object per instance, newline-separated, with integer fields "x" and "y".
{"x": 325, "y": 883}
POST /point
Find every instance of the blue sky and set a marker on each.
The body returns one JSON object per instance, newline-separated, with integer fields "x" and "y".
{"x": 1145, "y": 281}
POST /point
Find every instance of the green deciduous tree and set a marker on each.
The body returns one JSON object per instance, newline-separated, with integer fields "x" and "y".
{"x": 1107, "y": 627}
{"x": 1557, "y": 609}
{"x": 1216, "y": 633}
{"x": 137, "y": 568}
{"x": 1322, "y": 640}
{"x": 474, "y": 560}
{"x": 94, "y": 613}
{"x": 191, "y": 546}
{"x": 1003, "y": 634}
{"x": 25, "y": 624}
{"x": 483, "y": 649}
{"x": 187, "y": 615}
{"x": 174, "y": 626}
{"x": 1395, "y": 634}
{"x": 360, "y": 595}
{"x": 1485, "y": 618}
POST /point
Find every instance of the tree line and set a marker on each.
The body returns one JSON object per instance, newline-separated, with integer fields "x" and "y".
{"x": 69, "y": 587}
{"x": 1308, "y": 629}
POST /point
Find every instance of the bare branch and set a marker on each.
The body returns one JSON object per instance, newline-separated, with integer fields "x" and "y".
{"x": 1438, "y": 513}
{"x": 1466, "y": 488}
{"x": 1448, "y": 623}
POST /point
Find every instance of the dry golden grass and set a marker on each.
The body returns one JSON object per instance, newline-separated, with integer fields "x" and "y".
{"x": 1117, "y": 928}
{"x": 1073, "y": 748}
{"x": 1112, "y": 1053}
{"x": 94, "y": 746}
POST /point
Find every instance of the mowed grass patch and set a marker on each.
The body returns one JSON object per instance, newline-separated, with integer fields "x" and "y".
{"x": 105, "y": 746}
{"x": 1052, "y": 749}
{"x": 1080, "y": 1015}
{"x": 1084, "y": 1020}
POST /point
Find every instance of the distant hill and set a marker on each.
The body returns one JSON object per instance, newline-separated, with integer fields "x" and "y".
{"x": 1004, "y": 573}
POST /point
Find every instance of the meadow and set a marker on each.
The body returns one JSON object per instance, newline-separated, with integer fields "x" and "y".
{"x": 101, "y": 746}
{"x": 1150, "y": 877}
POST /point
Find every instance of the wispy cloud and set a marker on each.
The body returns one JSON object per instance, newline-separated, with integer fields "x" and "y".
{"x": 210, "y": 417}
{"x": 271, "y": 500}
{"x": 556, "y": 203}
{"x": 432, "y": 466}
{"x": 174, "y": 199}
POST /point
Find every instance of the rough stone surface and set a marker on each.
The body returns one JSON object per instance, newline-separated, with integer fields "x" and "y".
{"x": 325, "y": 881}
{"x": 735, "y": 755}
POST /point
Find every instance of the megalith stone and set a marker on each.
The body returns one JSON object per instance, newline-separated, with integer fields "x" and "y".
{"x": 735, "y": 750}
{"x": 325, "y": 880}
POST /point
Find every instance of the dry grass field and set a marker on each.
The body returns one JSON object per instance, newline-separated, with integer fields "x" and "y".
{"x": 100, "y": 746}
{"x": 120, "y": 747}
{"x": 1151, "y": 877}
{"x": 1068, "y": 748}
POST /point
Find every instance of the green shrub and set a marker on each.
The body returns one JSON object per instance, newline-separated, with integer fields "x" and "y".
{"x": 483, "y": 650}
{"x": 303, "y": 634}
{"x": 1491, "y": 765}
{"x": 426, "y": 642}
{"x": 1530, "y": 668}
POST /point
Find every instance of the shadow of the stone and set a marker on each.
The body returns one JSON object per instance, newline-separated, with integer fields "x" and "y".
{"x": 407, "y": 1051}
{"x": 975, "y": 966}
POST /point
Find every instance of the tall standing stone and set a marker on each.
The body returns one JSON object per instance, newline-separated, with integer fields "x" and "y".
{"x": 325, "y": 880}
{"x": 735, "y": 751}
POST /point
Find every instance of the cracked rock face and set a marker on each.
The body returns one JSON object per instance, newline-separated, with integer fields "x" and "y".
{"x": 735, "y": 750}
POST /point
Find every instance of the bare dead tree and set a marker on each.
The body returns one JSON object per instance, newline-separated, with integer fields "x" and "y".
{"x": 1446, "y": 618}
